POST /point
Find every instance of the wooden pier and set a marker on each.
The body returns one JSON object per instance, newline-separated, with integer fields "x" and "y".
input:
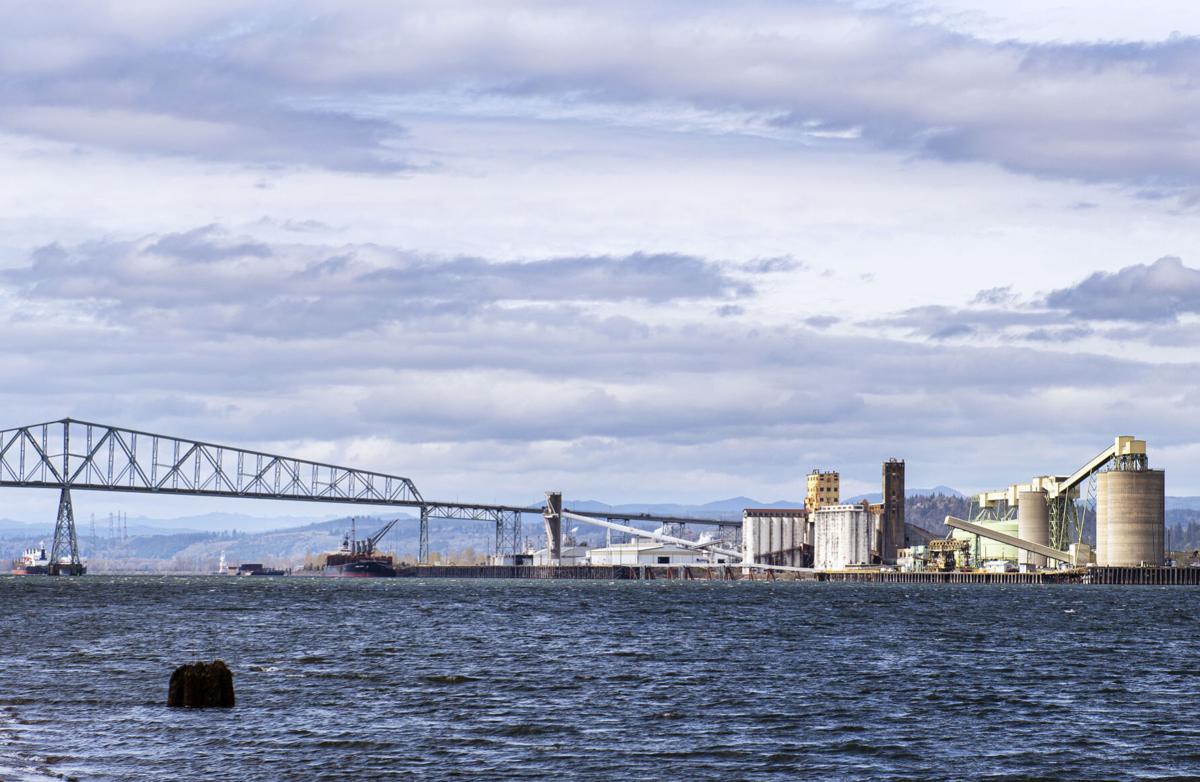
{"x": 583, "y": 572}
{"x": 951, "y": 577}
{"x": 1144, "y": 576}
{"x": 1109, "y": 576}
{"x": 1112, "y": 576}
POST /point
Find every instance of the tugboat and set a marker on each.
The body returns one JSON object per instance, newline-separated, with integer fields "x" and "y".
{"x": 36, "y": 562}
{"x": 358, "y": 558}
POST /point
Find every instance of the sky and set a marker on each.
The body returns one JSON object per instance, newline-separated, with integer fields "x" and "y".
{"x": 636, "y": 252}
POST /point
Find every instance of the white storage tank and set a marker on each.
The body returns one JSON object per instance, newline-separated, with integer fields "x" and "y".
{"x": 1033, "y": 525}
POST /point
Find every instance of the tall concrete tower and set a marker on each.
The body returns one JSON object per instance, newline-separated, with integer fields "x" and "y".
{"x": 552, "y": 515}
{"x": 893, "y": 509}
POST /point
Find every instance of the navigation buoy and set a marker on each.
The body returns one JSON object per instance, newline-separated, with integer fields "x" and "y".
{"x": 201, "y": 686}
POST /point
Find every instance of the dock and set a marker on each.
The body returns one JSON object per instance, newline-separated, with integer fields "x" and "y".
{"x": 1102, "y": 576}
{"x": 579, "y": 572}
{"x": 1106, "y": 576}
{"x": 951, "y": 577}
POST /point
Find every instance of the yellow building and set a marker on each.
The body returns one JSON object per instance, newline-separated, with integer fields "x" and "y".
{"x": 823, "y": 489}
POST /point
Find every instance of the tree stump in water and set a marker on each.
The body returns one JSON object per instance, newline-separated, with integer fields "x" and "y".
{"x": 201, "y": 686}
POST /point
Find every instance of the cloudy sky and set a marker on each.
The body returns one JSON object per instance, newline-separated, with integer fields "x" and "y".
{"x": 675, "y": 251}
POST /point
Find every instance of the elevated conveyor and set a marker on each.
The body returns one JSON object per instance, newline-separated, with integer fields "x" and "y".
{"x": 1125, "y": 449}
{"x": 1008, "y": 540}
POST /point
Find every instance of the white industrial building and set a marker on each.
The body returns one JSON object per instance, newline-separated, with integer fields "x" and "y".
{"x": 842, "y": 536}
{"x": 649, "y": 552}
{"x": 775, "y": 536}
{"x": 571, "y": 555}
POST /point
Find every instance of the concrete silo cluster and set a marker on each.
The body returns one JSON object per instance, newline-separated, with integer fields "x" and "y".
{"x": 1051, "y": 512}
{"x": 827, "y": 533}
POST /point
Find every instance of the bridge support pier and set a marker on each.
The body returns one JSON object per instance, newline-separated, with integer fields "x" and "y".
{"x": 552, "y": 515}
{"x": 508, "y": 533}
{"x": 423, "y": 541}
{"x": 66, "y": 542}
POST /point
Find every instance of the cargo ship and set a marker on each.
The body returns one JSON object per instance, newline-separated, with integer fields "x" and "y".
{"x": 33, "y": 562}
{"x": 359, "y": 559}
{"x": 36, "y": 562}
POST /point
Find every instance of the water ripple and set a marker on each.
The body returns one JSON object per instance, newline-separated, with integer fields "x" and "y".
{"x": 398, "y": 679}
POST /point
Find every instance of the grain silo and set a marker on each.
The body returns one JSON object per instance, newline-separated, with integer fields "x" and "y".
{"x": 1130, "y": 518}
{"x": 842, "y": 536}
{"x": 1033, "y": 525}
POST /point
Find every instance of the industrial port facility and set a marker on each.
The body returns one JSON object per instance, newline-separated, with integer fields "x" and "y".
{"x": 1037, "y": 528}
{"x": 1103, "y": 522}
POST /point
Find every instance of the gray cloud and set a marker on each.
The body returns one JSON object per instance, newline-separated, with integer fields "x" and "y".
{"x": 207, "y": 278}
{"x": 953, "y": 331}
{"x": 942, "y": 322}
{"x": 303, "y": 84}
{"x": 172, "y": 103}
{"x": 1154, "y": 295}
{"x": 821, "y": 321}
{"x": 995, "y": 297}
{"x": 537, "y": 375}
{"x": 1160, "y": 291}
{"x": 204, "y": 244}
{"x": 311, "y": 350}
{"x": 774, "y": 265}
{"x": 1060, "y": 334}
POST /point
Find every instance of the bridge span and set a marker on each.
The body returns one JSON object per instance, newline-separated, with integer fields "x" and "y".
{"x": 70, "y": 454}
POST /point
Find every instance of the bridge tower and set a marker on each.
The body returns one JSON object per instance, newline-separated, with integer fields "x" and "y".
{"x": 66, "y": 541}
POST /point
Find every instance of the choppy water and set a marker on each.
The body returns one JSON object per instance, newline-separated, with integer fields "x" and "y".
{"x": 592, "y": 680}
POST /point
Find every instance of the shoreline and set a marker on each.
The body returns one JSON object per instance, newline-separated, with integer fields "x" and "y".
{"x": 1095, "y": 576}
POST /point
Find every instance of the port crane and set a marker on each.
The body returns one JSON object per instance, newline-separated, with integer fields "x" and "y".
{"x": 366, "y": 546}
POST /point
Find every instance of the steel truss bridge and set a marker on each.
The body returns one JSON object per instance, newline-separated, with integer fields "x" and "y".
{"x": 71, "y": 454}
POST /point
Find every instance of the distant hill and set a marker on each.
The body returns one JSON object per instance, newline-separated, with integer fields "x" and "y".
{"x": 144, "y": 525}
{"x": 944, "y": 491}
{"x": 929, "y": 511}
{"x": 195, "y": 543}
{"x": 730, "y": 508}
{"x": 218, "y": 522}
{"x": 199, "y": 551}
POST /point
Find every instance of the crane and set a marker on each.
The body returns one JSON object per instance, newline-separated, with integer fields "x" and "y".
{"x": 365, "y": 547}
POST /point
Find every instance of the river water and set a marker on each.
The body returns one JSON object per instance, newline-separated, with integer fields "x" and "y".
{"x": 407, "y": 679}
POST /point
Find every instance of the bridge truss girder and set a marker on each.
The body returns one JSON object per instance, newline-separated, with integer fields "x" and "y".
{"x": 108, "y": 458}
{"x": 71, "y": 454}
{"x": 507, "y": 521}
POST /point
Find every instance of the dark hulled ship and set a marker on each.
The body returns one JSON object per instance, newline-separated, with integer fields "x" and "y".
{"x": 359, "y": 559}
